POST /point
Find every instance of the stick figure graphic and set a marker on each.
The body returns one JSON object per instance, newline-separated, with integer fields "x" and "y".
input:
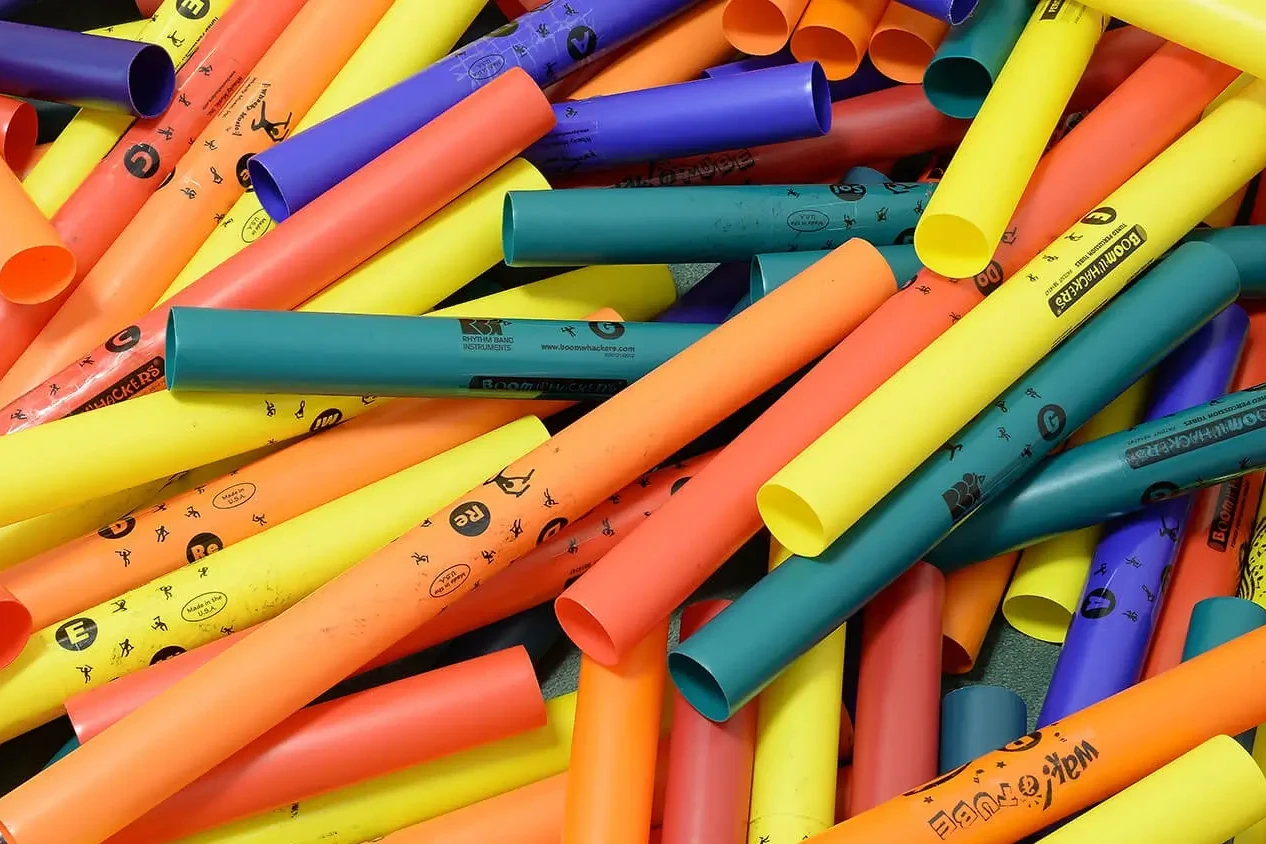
{"x": 259, "y": 519}
{"x": 573, "y": 545}
{"x": 952, "y": 448}
{"x": 85, "y": 670}
{"x": 302, "y": 407}
{"x": 516, "y": 529}
{"x": 1133, "y": 562}
{"x": 1131, "y": 615}
{"x": 1169, "y": 531}
{"x": 166, "y": 590}
{"x": 550, "y": 501}
{"x": 1003, "y": 435}
{"x": 607, "y": 530}
{"x": 489, "y": 556}
{"x": 419, "y": 559}
{"x": 162, "y": 533}
{"x": 1151, "y": 596}
{"x": 202, "y": 572}
{"x": 159, "y": 624}
{"x": 881, "y": 215}
{"x": 160, "y": 507}
{"x": 276, "y": 130}
{"x": 191, "y": 513}
{"x": 127, "y": 557}
{"x": 120, "y": 605}
{"x": 270, "y": 409}
{"x": 125, "y": 648}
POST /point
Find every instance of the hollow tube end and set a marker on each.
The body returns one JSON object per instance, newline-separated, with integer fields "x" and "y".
{"x": 151, "y": 81}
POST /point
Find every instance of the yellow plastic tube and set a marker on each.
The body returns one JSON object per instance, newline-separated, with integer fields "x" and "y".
{"x": 1046, "y": 588}
{"x": 242, "y": 585}
{"x": 797, "y": 743}
{"x": 383, "y": 59}
{"x": 982, "y": 186}
{"x": 825, "y": 489}
{"x": 1205, "y": 796}
{"x": 1256, "y": 834}
{"x": 1231, "y": 31}
{"x": 363, "y": 812}
{"x": 177, "y": 27}
{"x": 66, "y": 462}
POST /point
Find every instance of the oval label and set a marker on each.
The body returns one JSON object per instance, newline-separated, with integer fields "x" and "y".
{"x": 204, "y": 606}
{"x": 487, "y": 67}
{"x": 234, "y": 496}
{"x": 449, "y": 579}
{"x": 808, "y": 221}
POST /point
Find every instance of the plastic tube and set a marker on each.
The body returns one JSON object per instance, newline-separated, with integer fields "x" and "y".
{"x": 967, "y": 63}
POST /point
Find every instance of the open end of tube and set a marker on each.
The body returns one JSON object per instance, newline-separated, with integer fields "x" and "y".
{"x": 585, "y": 631}
{"x": 791, "y": 520}
{"x": 37, "y": 274}
{"x": 961, "y": 10}
{"x": 1038, "y": 617}
{"x": 151, "y": 81}
{"x": 268, "y": 192}
{"x": 901, "y": 55}
{"x": 954, "y": 657}
{"x": 698, "y": 687}
{"x": 20, "y": 137}
{"x": 755, "y": 27}
{"x": 957, "y": 86}
{"x": 821, "y": 99}
{"x": 830, "y": 48}
{"x": 15, "y": 627}
{"x": 952, "y": 246}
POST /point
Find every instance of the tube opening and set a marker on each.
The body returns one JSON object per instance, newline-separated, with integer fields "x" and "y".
{"x": 961, "y": 10}
{"x": 838, "y": 56}
{"x": 822, "y": 111}
{"x": 268, "y": 191}
{"x": 755, "y": 27}
{"x": 900, "y": 55}
{"x": 698, "y": 687}
{"x": 957, "y": 86}
{"x": 151, "y": 81}
{"x": 952, "y": 246}
{"x": 15, "y": 627}
{"x": 37, "y": 274}
{"x": 585, "y": 631}
{"x": 791, "y": 520}
{"x": 1038, "y": 617}
{"x": 18, "y": 143}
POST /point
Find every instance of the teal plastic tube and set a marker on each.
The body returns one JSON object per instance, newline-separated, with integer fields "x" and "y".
{"x": 976, "y": 720}
{"x": 703, "y": 224}
{"x": 1216, "y": 621}
{"x": 773, "y": 269}
{"x": 354, "y": 354}
{"x": 970, "y": 58}
{"x": 1247, "y": 247}
{"x": 64, "y": 751}
{"x": 796, "y": 605}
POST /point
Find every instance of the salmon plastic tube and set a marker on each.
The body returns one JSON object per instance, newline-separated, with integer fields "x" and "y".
{"x": 1046, "y": 591}
{"x": 132, "y": 274}
{"x": 1227, "y": 30}
{"x": 688, "y": 118}
{"x": 677, "y": 51}
{"x": 351, "y": 224}
{"x": 212, "y": 597}
{"x": 967, "y": 63}
{"x": 653, "y": 418}
{"x": 1117, "y": 241}
{"x": 972, "y": 598}
{"x": 709, "y": 765}
{"x": 611, "y": 775}
{"x": 1205, "y": 796}
{"x": 613, "y": 606}
{"x": 178, "y": 27}
{"x": 168, "y": 432}
{"x": 761, "y": 27}
{"x": 898, "y": 689}
{"x": 959, "y": 232}
{"x": 904, "y": 42}
{"x": 31, "y": 252}
{"x": 431, "y": 790}
{"x": 776, "y": 268}
{"x": 836, "y": 33}
{"x": 532, "y": 814}
{"x": 356, "y": 738}
{"x": 977, "y": 719}
{"x": 19, "y": 128}
{"x": 89, "y": 70}
{"x": 355, "y": 355}
{"x": 798, "y": 720}
{"x": 383, "y": 59}
{"x": 546, "y": 44}
{"x": 1022, "y": 425}
{"x": 702, "y": 223}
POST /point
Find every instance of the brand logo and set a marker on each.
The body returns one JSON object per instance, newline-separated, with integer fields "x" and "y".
{"x": 119, "y": 529}
{"x": 78, "y": 634}
{"x": 607, "y": 330}
{"x": 582, "y": 42}
{"x": 470, "y": 519}
{"x": 126, "y": 339}
{"x": 1100, "y": 216}
{"x": 849, "y": 193}
{"x": 1159, "y": 491}
{"x": 193, "y": 9}
{"x": 1098, "y": 603}
{"x": 552, "y": 527}
{"x": 141, "y": 160}
{"x": 1051, "y": 421}
{"x": 244, "y": 172}
{"x": 989, "y": 279}
{"x": 327, "y": 418}
{"x": 203, "y": 545}
{"x": 964, "y": 496}
{"x": 166, "y": 653}
{"x": 483, "y": 327}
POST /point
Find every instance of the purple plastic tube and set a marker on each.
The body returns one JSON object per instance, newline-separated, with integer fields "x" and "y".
{"x": 85, "y": 70}
{"x": 548, "y": 43}
{"x": 864, "y": 80}
{"x": 692, "y": 118}
{"x": 1107, "y": 640}
{"x": 747, "y": 64}
{"x": 950, "y": 11}
{"x": 711, "y": 300}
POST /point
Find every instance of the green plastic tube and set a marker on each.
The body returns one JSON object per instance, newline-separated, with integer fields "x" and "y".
{"x": 1247, "y": 247}
{"x": 972, "y": 55}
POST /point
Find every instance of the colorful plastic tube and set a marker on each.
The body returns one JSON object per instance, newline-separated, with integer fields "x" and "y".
{"x": 689, "y": 118}
{"x": 1216, "y": 621}
{"x": 31, "y": 252}
{"x": 357, "y": 355}
{"x": 19, "y": 129}
{"x": 968, "y": 62}
{"x": 702, "y": 224}
{"x": 1107, "y": 640}
{"x": 546, "y": 43}
{"x": 1077, "y": 273}
{"x": 1247, "y": 247}
{"x": 349, "y": 226}
{"x": 353, "y": 739}
{"x": 1205, "y": 796}
{"x": 611, "y": 775}
{"x": 212, "y": 597}
{"x": 836, "y": 33}
{"x": 798, "y": 730}
{"x": 538, "y": 576}
{"x": 972, "y": 598}
{"x": 712, "y": 298}
{"x": 88, "y": 70}
{"x": 977, "y": 719}
{"x": 865, "y": 80}
{"x": 383, "y": 59}
{"x": 532, "y": 814}
{"x": 709, "y": 765}
{"x": 772, "y": 269}
{"x": 1072, "y": 385}
{"x": 761, "y": 27}
{"x": 905, "y": 41}
{"x": 953, "y": 12}
{"x": 1046, "y": 591}
{"x": 570, "y": 475}
{"x": 958, "y": 233}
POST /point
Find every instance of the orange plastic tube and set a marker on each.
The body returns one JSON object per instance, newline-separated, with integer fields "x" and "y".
{"x": 836, "y": 34}
{"x": 678, "y": 51}
{"x": 611, "y": 774}
{"x": 761, "y": 27}
{"x": 355, "y": 738}
{"x": 972, "y": 596}
{"x": 164, "y": 234}
{"x": 644, "y": 578}
{"x": 1219, "y": 534}
{"x": 537, "y": 577}
{"x": 338, "y": 231}
{"x": 287, "y": 483}
{"x": 19, "y": 129}
{"x": 280, "y": 666}
{"x": 904, "y": 42}
{"x": 532, "y": 814}
{"x": 31, "y": 253}
{"x": 709, "y": 765}
{"x": 898, "y": 689}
